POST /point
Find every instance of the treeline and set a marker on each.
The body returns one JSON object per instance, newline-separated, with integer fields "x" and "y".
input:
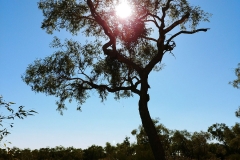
{"x": 220, "y": 142}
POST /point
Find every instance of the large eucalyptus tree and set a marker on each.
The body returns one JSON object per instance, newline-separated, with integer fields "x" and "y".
{"x": 120, "y": 57}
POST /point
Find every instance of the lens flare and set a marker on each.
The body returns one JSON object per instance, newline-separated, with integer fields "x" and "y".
{"x": 123, "y": 10}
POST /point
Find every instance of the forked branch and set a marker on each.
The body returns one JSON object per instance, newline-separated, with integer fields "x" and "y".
{"x": 92, "y": 85}
{"x": 112, "y": 42}
{"x": 186, "y": 32}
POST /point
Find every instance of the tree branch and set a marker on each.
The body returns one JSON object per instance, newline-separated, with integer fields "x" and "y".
{"x": 154, "y": 16}
{"x": 164, "y": 9}
{"x": 154, "y": 21}
{"x": 105, "y": 27}
{"x": 132, "y": 88}
{"x": 161, "y": 38}
{"x": 160, "y": 41}
{"x": 149, "y": 38}
{"x": 159, "y": 56}
{"x": 186, "y": 32}
{"x": 177, "y": 23}
{"x": 84, "y": 17}
{"x": 112, "y": 90}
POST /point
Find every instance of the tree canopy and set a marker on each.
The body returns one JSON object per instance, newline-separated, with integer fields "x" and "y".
{"x": 112, "y": 66}
{"x": 120, "y": 54}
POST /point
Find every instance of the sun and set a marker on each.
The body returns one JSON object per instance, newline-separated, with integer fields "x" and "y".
{"x": 123, "y": 9}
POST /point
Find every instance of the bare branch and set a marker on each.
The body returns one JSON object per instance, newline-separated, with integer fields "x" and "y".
{"x": 164, "y": 9}
{"x": 112, "y": 90}
{"x": 186, "y": 32}
{"x": 132, "y": 88}
{"x": 154, "y": 21}
{"x": 149, "y": 38}
{"x": 161, "y": 39}
{"x": 177, "y": 23}
{"x": 159, "y": 56}
{"x": 149, "y": 20}
{"x": 154, "y": 16}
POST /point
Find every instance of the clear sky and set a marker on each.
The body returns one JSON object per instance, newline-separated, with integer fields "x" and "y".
{"x": 192, "y": 92}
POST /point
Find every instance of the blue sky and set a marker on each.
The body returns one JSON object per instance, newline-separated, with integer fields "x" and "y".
{"x": 191, "y": 92}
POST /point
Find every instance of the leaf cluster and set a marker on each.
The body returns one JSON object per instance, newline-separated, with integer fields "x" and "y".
{"x": 61, "y": 14}
{"x": 21, "y": 113}
{"x": 236, "y": 82}
{"x": 179, "y": 9}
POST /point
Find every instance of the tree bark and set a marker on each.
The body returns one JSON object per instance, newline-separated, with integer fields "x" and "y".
{"x": 154, "y": 138}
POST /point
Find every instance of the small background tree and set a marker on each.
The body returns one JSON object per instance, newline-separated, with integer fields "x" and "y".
{"x": 8, "y": 114}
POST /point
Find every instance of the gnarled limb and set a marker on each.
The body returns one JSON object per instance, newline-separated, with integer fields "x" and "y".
{"x": 93, "y": 85}
{"x": 112, "y": 41}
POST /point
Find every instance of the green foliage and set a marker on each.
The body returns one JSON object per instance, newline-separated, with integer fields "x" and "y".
{"x": 200, "y": 145}
{"x": 125, "y": 150}
{"x": 237, "y": 113}
{"x": 63, "y": 14}
{"x": 227, "y": 137}
{"x": 93, "y": 153}
{"x": 196, "y": 14}
{"x": 217, "y": 131}
{"x": 181, "y": 143}
{"x": 184, "y": 145}
{"x": 57, "y": 153}
{"x": 110, "y": 151}
{"x": 236, "y": 82}
{"x": 11, "y": 115}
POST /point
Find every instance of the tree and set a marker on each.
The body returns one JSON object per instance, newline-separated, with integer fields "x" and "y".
{"x": 93, "y": 153}
{"x": 110, "y": 151}
{"x": 228, "y": 137}
{"x": 200, "y": 145}
{"x": 124, "y": 150}
{"x": 120, "y": 54}
{"x": 20, "y": 113}
{"x": 180, "y": 144}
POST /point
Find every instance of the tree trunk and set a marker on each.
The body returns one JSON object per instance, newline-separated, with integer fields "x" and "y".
{"x": 154, "y": 138}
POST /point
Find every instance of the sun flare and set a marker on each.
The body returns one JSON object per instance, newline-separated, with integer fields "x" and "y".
{"x": 123, "y": 9}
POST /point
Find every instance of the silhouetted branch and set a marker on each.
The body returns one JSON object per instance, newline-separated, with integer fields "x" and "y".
{"x": 176, "y": 23}
{"x": 149, "y": 38}
{"x": 90, "y": 83}
{"x": 186, "y": 32}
